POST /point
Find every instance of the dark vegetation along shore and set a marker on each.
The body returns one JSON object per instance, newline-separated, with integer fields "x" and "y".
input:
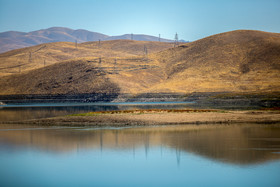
{"x": 214, "y": 100}
{"x": 159, "y": 117}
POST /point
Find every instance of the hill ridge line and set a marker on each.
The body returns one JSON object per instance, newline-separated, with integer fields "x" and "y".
{"x": 10, "y": 40}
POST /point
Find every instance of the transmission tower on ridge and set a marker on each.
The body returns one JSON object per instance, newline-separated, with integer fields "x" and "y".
{"x": 176, "y": 40}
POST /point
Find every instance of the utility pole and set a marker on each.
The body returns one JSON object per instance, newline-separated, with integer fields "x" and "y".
{"x": 30, "y": 56}
{"x": 100, "y": 60}
{"x": 176, "y": 40}
{"x": 145, "y": 58}
{"x": 99, "y": 64}
{"x": 145, "y": 50}
{"x": 115, "y": 70}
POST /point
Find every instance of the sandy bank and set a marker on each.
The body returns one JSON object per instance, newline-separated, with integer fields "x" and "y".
{"x": 158, "y": 117}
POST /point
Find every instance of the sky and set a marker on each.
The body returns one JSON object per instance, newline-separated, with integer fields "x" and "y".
{"x": 191, "y": 19}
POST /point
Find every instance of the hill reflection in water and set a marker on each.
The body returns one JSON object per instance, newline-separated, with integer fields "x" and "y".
{"x": 36, "y": 111}
{"x": 234, "y": 144}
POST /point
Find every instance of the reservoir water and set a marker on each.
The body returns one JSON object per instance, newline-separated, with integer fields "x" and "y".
{"x": 185, "y": 155}
{"x": 25, "y": 111}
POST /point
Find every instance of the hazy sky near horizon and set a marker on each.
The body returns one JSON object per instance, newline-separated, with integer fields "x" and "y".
{"x": 191, "y": 19}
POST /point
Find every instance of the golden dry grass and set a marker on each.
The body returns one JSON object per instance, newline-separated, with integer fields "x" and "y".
{"x": 25, "y": 59}
{"x": 237, "y": 61}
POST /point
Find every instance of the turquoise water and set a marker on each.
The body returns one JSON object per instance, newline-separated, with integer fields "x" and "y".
{"x": 213, "y": 155}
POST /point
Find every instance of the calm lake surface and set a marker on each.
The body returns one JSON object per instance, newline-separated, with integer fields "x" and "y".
{"x": 190, "y": 155}
{"x": 25, "y": 111}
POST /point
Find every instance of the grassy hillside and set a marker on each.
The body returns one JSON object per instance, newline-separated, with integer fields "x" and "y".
{"x": 233, "y": 61}
{"x": 70, "y": 77}
{"x": 86, "y": 75}
{"x": 25, "y": 59}
{"x": 237, "y": 61}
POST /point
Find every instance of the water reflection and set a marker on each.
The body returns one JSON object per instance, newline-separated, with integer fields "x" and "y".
{"x": 36, "y": 111}
{"x": 235, "y": 144}
{"x": 25, "y": 113}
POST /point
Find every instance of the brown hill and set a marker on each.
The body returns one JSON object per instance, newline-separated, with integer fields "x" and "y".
{"x": 237, "y": 61}
{"x": 234, "y": 61}
{"x": 86, "y": 75}
{"x": 25, "y": 59}
{"x": 69, "y": 77}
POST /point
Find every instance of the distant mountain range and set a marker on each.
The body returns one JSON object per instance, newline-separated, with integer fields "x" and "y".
{"x": 14, "y": 40}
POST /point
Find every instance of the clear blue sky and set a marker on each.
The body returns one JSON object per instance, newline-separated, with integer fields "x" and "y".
{"x": 192, "y": 19}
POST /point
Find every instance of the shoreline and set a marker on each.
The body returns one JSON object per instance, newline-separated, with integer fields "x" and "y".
{"x": 158, "y": 117}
